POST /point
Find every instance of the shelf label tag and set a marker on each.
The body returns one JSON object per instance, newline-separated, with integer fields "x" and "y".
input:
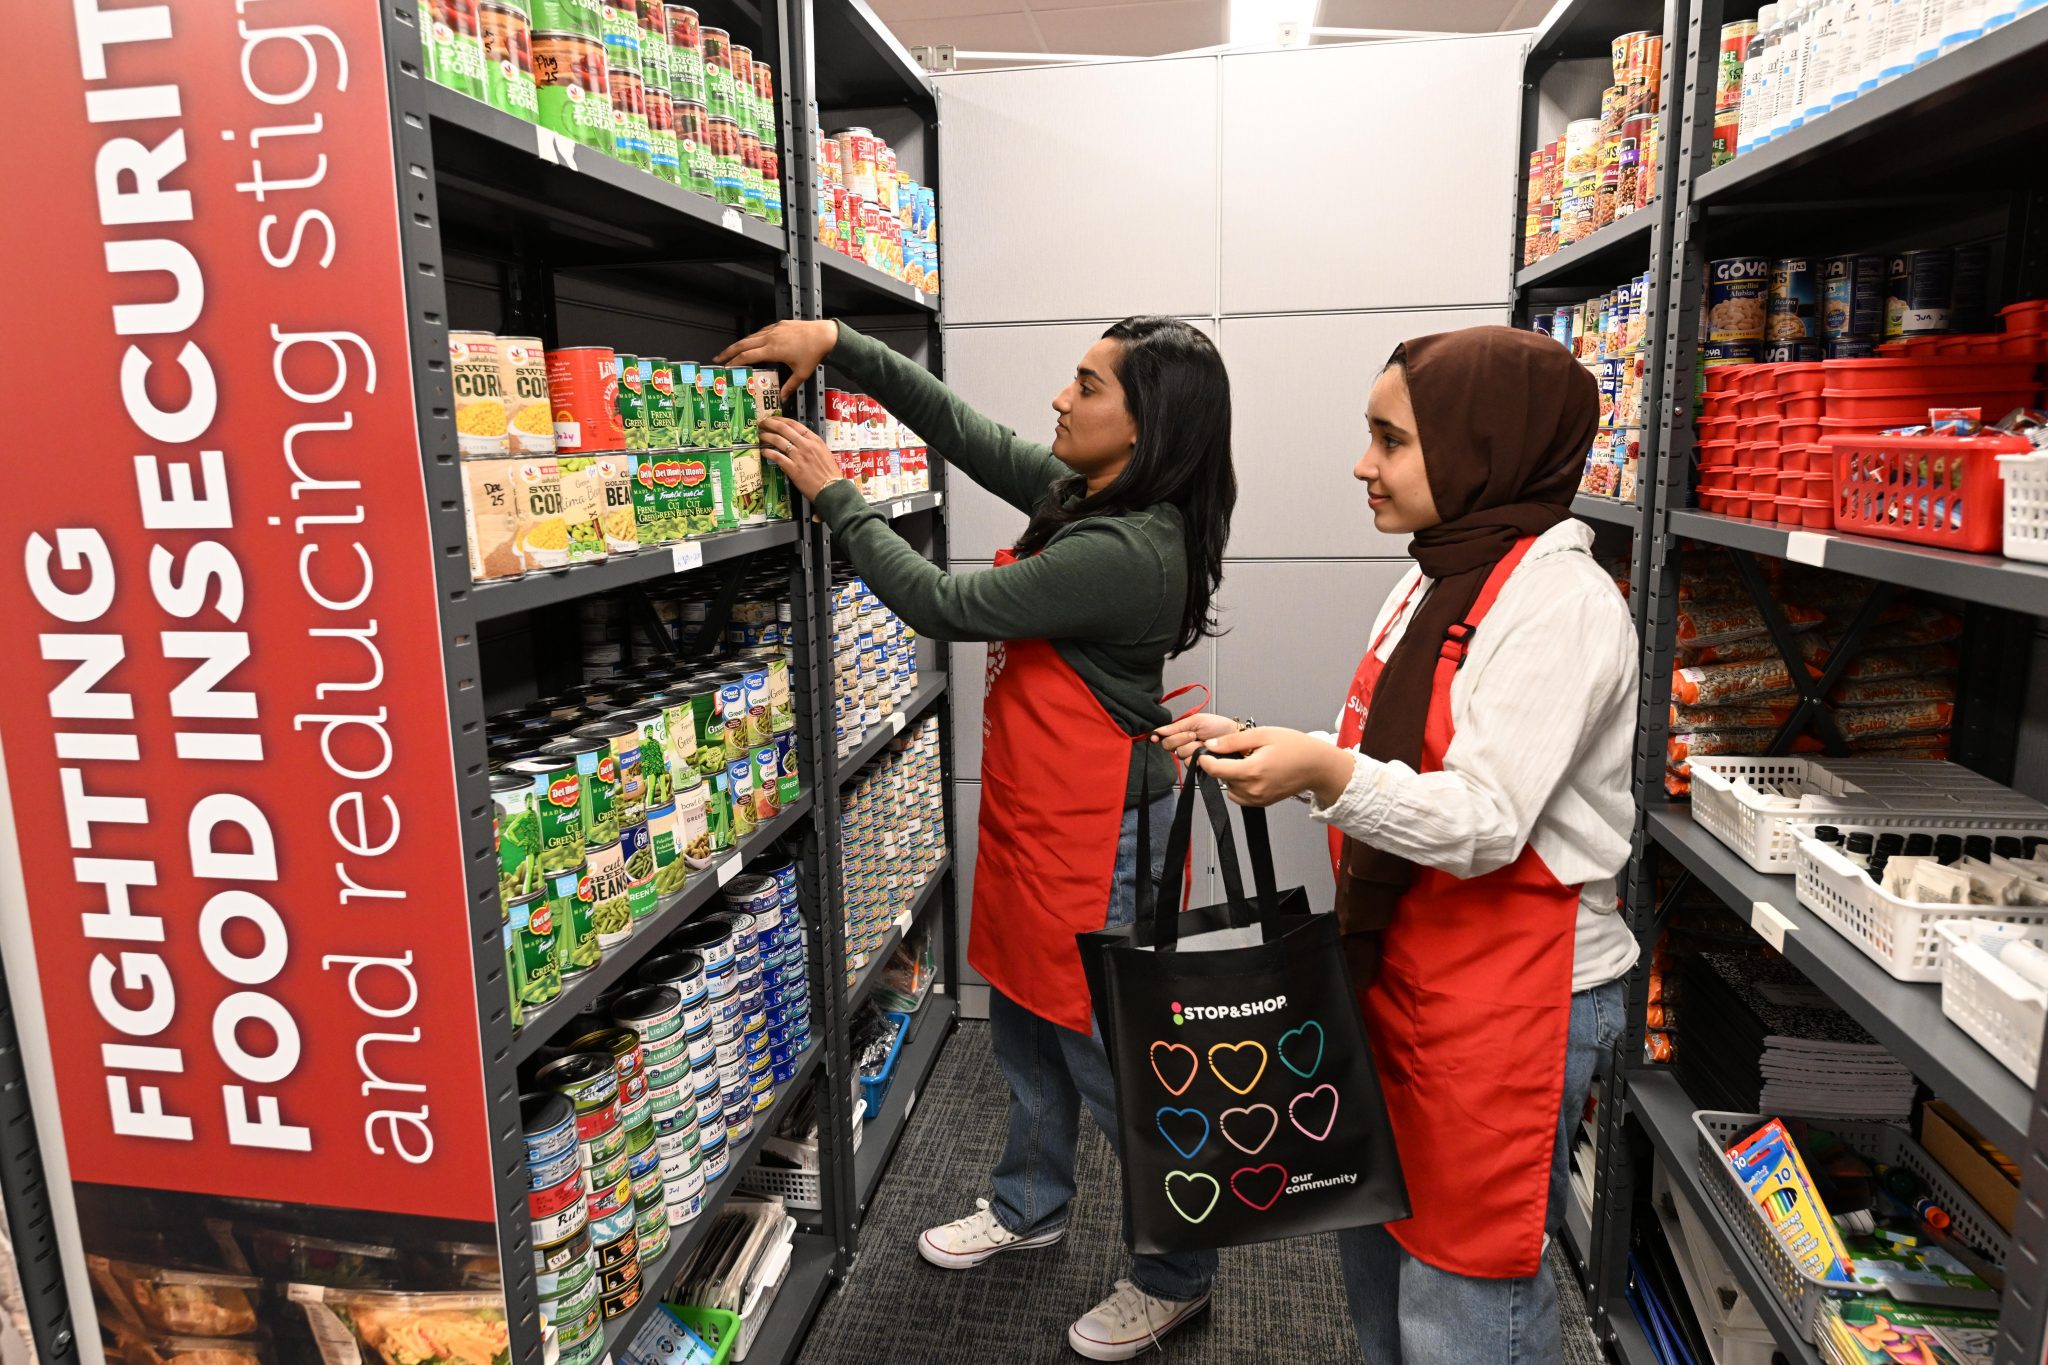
{"x": 1770, "y": 923}
{"x": 897, "y": 720}
{"x": 938, "y": 499}
{"x": 730, "y": 220}
{"x": 901, "y": 509}
{"x": 687, "y": 556}
{"x": 729, "y": 869}
{"x": 552, "y": 146}
{"x": 1807, "y": 547}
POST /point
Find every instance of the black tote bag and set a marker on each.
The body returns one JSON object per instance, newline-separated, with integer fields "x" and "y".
{"x": 1247, "y": 1099}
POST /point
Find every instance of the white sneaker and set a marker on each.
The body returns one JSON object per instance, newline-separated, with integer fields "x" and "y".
{"x": 967, "y": 1242}
{"x": 1129, "y": 1323}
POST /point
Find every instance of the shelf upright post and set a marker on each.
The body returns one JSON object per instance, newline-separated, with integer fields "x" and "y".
{"x": 39, "y": 1264}
{"x": 427, "y": 320}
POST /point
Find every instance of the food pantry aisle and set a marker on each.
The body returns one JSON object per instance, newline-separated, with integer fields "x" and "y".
{"x": 1279, "y": 1302}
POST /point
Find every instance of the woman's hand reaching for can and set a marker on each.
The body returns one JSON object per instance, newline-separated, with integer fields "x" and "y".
{"x": 800, "y": 453}
{"x": 1277, "y": 763}
{"x": 1182, "y": 737}
{"x": 799, "y": 347}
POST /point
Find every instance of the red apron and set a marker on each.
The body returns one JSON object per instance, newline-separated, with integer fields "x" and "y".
{"x": 1468, "y": 1022}
{"x": 1054, "y": 769}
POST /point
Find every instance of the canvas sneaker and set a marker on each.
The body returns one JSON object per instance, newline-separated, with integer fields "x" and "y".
{"x": 967, "y": 1242}
{"x": 1130, "y": 1322}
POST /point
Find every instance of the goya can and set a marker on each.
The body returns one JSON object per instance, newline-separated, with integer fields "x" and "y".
{"x": 473, "y": 366}
{"x": 1921, "y": 287}
{"x": 1792, "y": 311}
{"x": 556, "y": 800}
{"x": 453, "y": 47}
{"x": 523, "y": 378}
{"x": 508, "y": 61}
{"x": 1738, "y": 299}
{"x": 573, "y": 96}
{"x": 583, "y": 385}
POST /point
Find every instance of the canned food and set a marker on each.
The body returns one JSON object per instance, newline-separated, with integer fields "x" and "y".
{"x": 1787, "y": 352}
{"x": 548, "y": 1121}
{"x": 739, "y": 63}
{"x": 555, "y": 802}
{"x": 728, "y": 185}
{"x": 553, "y": 1173}
{"x": 623, "y": 1302}
{"x": 453, "y": 49}
{"x": 715, "y": 44}
{"x": 1792, "y": 311}
{"x": 532, "y": 960}
{"x": 597, "y": 768}
{"x": 572, "y": 94}
{"x": 1735, "y": 40}
{"x": 473, "y": 362}
{"x": 559, "y": 1210}
{"x": 1738, "y": 297}
{"x": 591, "y": 1085}
{"x": 685, "y": 53}
{"x": 788, "y": 771}
{"x": 1717, "y": 353}
{"x": 490, "y": 509}
{"x": 693, "y": 151}
{"x": 1921, "y": 287}
{"x": 568, "y": 909}
{"x": 583, "y": 502}
{"x": 1853, "y": 297}
{"x": 611, "y": 914}
{"x": 583, "y": 384}
{"x": 585, "y": 17}
{"x": 636, "y": 843}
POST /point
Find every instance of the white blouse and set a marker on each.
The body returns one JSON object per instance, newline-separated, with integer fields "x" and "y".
{"x": 1543, "y": 715}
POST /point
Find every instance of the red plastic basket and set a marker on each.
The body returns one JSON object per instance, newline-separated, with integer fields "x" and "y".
{"x": 1933, "y": 490}
{"x": 1940, "y": 374}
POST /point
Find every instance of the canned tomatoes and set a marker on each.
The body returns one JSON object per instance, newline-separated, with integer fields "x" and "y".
{"x": 573, "y": 98}
{"x": 685, "y": 53}
{"x": 693, "y": 152}
{"x": 453, "y": 46}
{"x": 728, "y": 179}
{"x": 508, "y": 61}
{"x": 583, "y": 384}
{"x": 629, "y": 116}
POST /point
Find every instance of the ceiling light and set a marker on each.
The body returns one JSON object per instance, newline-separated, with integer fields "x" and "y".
{"x": 1271, "y": 23}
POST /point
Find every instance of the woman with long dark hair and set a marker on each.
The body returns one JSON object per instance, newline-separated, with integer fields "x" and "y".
{"x": 1115, "y": 573}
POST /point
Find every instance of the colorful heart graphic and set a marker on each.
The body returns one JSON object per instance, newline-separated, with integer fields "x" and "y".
{"x": 1313, "y": 1098}
{"x": 1248, "y": 1183}
{"x": 1251, "y": 1116}
{"x": 1185, "y": 1120}
{"x": 1305, "y": 1072}
{"x": 1193, "y": 1178}
{"x": 1175, "y": 1051}
{"x": 1237, "y": 1051}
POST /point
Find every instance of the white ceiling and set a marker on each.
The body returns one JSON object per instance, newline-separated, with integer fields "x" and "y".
{"x": 1148, "y": 28}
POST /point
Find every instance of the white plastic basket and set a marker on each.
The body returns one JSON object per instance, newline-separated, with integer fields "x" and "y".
{"x": 799, "y": 1187}
{"x": 1901, "y": 936}
{"x": 1990, "y": 1001}
{"x": 2026, "y": 506}
{"x": 1758, "y": 806}
{"x": 1804, "y": 1295}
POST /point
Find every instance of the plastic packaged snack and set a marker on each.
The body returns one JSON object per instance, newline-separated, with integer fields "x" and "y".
{"x": 1894, "y": 691}
{"x": 1878, "y": 665}
{"x": 281, "y": 1255}
{"x": 1718, "y": 623}
{"x": 130, "y": 1343}
{"x": 1719, "y": 684}
{"x": 179, "y": 1301}
{"x": 458, "y": 1328}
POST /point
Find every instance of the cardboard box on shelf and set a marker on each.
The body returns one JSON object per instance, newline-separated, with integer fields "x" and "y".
{"x": 1950, "y": 1140}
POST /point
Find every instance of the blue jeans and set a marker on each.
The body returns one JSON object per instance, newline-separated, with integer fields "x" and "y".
{"x": 1053, "y": 1072}
{"x": 1408, "y": 1312}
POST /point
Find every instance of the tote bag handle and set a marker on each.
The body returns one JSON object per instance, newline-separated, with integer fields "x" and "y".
{"x": 1159, "y": 904}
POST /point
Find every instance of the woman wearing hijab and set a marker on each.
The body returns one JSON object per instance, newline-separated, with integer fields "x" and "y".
{"x": 1477, "y": 793}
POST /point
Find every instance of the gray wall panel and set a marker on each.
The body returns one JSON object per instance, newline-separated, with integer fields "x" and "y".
{"x": 1298, "y": 386}
{"x": 1082, "y": 192}
{"x": 1390, "y": 184}
{"x": 1296, "y": 633}
{"x": 967, "y": 810}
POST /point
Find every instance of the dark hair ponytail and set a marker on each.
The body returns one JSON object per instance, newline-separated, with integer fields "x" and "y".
{"x": 1178, "y": 395}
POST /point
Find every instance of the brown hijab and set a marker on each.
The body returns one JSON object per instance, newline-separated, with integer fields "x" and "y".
{"x": 1505, "y": 418}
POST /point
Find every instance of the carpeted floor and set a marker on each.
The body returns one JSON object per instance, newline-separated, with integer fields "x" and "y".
{"x": 1274, "y": 1303}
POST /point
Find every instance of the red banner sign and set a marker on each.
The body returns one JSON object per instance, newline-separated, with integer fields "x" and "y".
{"x": 226, "y": 725}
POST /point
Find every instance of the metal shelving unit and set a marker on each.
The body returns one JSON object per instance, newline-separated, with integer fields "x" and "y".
{"x": 1845, "y": 181}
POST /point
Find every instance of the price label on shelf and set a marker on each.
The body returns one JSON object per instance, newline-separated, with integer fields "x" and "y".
{"x": 897, "y": 720}
{"x": 730, "y": 220}
{"x": 938, "y": 499}
{"x": 729, "y": 869}
{"x": 1770, "y": 923}
{"x": 1807, "y": 547}
{"x": 687, "y": 556}
{"x": 901, "y": 509}
{"x": 552, "y": 146}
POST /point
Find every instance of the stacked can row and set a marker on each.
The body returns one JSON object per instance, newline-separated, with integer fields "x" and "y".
{"x": 880, "y": 454}
{"x": 1803, "y": 308}
{"x": 573, "y": 455}
{"x": 868, "y": 211}
{"x": 640, "y": 80}
{"x": 892, "y": 839}
{"x": 1602, "y": 168}
{"x": 637, "y": 1116}
{"x": 609, "y": 798}
{"x": 759, "y": 616}
{"x": 1610, "y": 335}
{"x": 874, "y": 660}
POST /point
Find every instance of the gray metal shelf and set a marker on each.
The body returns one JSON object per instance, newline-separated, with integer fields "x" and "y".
{"x": 697, "y": 892}
{"x": 910, "y": 505}
{"x": 1992, "y": 580}
{"x": 1598, "y": 262}
{"x": 870, "y": 978}
{"x": 1981, "y": 100}
{"x": 860, "y": 63}
{"x": 929, "y": 690}
{"x": 1609, "y": 511}
{"x": 1627, "y": 1339}
{"x": 858, "y": 288}
{"x": 929, "y": 1029}
{"x": 797, "y": 1303}
{"x": 1906, "y": 1017}
{"x": 1660, "y": 1105}
{"x": 510, "y": 596}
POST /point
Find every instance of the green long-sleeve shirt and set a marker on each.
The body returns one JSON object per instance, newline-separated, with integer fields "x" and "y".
{"x": 1107, "y": 592}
